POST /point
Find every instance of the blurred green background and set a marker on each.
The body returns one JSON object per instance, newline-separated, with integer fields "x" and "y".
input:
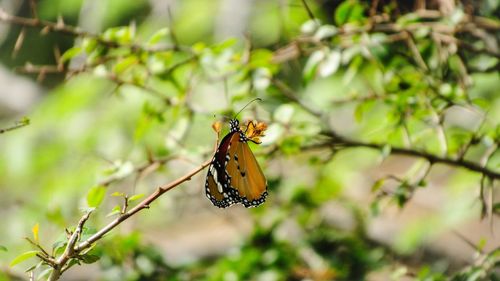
{"x": 325, "y": 218}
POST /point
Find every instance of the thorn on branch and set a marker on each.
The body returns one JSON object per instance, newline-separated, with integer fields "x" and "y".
{"x": 19, "y": 42}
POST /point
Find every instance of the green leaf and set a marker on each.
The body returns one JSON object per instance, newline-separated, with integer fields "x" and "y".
{"x": 158, "y": 36}
{"x": 121, "y": 35}
{"x": 217, "y": 48}
{"x": 481, "y": 244}
{"x": 95, "y": 196}
{"x": 71, "y": 53}
{"x": 24, "y": 121}
{"x": 22, "y": 257}
{"x": 407, "y": 19}
{"x": 118, "y": 194}
{"x": 115, "y": 211}
{"x": 89, "y": 45}
{"x": 349, "y": 11}
{"x": 41, "y": 275}
{"x": 260, "y": 58}
{"x": 125, "y": 64}
{"x": 377, "y": 185}
{"x": 59, "y": 246}
{"x": 3, "y": 248}
{"x": 89, "y": 258}
{"x": 312, "y": 65}
{"x": 135, "y": 197}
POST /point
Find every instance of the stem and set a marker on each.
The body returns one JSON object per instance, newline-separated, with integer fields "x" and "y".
{"x": 432, "y": 158}
{"x": 72, "y": 250}
{"x": 143, "y": 205}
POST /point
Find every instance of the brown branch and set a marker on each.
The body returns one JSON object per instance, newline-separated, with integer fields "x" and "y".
{"x": 69, "y": 252}
{"x": 337, "y": 140}
{"x": 61, "y": 27}
{"x": 60, "y": 69}
{"x": 143, "y": 205}
{"x": 72, "y": 249}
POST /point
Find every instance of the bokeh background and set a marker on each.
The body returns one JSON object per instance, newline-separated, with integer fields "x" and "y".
{"x": 326, "y": 217}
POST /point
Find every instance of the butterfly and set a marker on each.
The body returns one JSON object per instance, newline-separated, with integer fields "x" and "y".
{"x": 234, "y": 176}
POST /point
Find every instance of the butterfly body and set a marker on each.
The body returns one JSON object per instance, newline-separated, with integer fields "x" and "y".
{"x": 234, "y": 176}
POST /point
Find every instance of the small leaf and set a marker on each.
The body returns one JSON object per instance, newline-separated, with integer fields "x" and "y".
{"x": 312, "y": 64}
{"x": 71, "y": 53}
{"x": 135, "y": 197}
{"x": 330, "y": 65}
{"x": 118, "y": 194}
{"x": 24, "y": 121}
{"x": 310, "y": 26}
{"x": 35, "y": 229}
{"x": 325, "y": 31}
{"x": 89, "y": 45}
{"x": 34, "y": 266}
{"x": 158, "y": 36}
{"x": 95, "y": 196}
{"x": 3, "y": 248}
{"x": 115, "y": 211}
{"x": 349, "y": 11}
{"x": 481, "y": 244}
{"x": 90, "y": 258}
{"x": 22, "y": 257}
{"x": 422, "y": 183}
{"x": 125, "y": 64}
{"x": 58, "y": 245}
{"x": 73, "y": 262}
{"x": 377, "y": 185}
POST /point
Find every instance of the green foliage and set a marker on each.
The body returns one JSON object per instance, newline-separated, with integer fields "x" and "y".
{"x": 24, "y": 256}
{"x": 95, "y": 196}
{"x": 341, "y": 93}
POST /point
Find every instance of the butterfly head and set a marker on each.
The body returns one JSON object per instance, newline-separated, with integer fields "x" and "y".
{"x": 234, "y": 125}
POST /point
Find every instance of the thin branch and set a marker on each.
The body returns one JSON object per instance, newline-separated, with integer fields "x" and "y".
{"x": 468, "y": 242}
{"x": 72, "y": 249}
{"x": 432, "y": 158}
{"x": 141, "y": 206}
{"x": 309, "y": 12}
{"x": 19, "y": 124}
{"x": 286, "y": 91}
{"x": 69, "y": 252}
{"x": 61, "y": 27}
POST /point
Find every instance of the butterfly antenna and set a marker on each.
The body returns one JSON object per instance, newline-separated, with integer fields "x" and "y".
{"x": 255, "y": 99}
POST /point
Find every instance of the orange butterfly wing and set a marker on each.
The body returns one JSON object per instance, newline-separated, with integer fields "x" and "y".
{"x": 246, "y": 176}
